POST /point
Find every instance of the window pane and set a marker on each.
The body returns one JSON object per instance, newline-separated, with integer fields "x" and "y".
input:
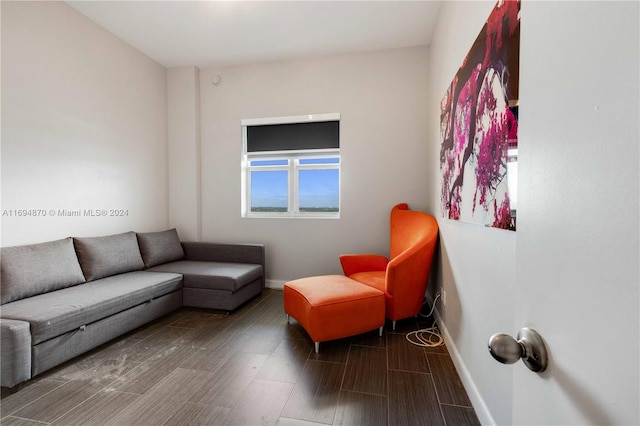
{"x": 320, "y": 161}
{"x": 269, "y": 191}
{"x": 269, "y": 162}
{"x": 319, "y": 190}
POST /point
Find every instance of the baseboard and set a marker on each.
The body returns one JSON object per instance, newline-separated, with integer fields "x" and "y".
{"x": 482, "y": 411}
{"x": 275, "y": 284}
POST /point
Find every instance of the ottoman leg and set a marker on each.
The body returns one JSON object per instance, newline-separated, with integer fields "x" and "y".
{"x": 381, "y": 331}
{"x": 317, "y": 345}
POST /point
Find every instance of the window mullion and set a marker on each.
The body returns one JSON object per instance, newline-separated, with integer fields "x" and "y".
{"x": 293, "y": 188}
{"x": 246, "y": 208}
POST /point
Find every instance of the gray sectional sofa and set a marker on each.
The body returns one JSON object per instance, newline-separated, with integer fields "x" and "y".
{"x": 62, "y": 298}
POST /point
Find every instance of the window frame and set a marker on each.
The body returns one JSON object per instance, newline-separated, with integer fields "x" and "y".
{"x": 293, "y": 168}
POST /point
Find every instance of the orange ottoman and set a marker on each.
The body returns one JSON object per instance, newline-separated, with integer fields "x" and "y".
{"x": 333, "y": 306}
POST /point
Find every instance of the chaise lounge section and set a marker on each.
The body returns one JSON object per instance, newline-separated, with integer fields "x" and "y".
{"x": 218, "y": 276}
{"x": 62, "y": 298}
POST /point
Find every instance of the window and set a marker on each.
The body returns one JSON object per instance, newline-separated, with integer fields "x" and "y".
{"x": 291, "y": 167}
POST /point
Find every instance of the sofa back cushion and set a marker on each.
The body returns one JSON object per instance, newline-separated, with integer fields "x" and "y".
{"x": 160, "y": 247}
{"x": 109, "y": 255}
{"x": 38, "y": 268}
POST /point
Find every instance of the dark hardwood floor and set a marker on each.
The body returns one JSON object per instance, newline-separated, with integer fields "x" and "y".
{"x": 249, "y": 367}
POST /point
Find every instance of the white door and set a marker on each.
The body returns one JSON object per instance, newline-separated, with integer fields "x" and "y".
{"x": 577, "y": 243}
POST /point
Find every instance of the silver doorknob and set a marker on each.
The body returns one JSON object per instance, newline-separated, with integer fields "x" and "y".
{"x": 529, "y": 346}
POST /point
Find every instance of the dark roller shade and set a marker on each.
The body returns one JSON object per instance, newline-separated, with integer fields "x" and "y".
{"x": 296, "y": 136}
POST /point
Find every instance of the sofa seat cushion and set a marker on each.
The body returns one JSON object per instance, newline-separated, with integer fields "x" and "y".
{"x": 213, "y": 275}
{"x": 55, "y": 313}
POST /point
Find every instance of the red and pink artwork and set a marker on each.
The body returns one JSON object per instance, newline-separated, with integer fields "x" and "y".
{"x": 479, "y": 126}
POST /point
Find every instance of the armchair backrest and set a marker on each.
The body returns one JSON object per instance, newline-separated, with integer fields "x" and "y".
{"x": 412, "y": 243}
{"x": 410, "y": 229}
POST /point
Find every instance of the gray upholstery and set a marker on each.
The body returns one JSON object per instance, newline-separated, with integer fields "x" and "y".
{"x": 38, "y": 268}
{"x": 62, "y": 348}
{"x": 160, "y": 247}
{"x": 109, "y": 255}
{"x": 220, "y": 299}
{"x": 15, "y": 352}
{"x": 217, "y": 252}
{"x": 48, "y": 319}
{"x": 213, "y": 275}
{"x": 55, "y": 313}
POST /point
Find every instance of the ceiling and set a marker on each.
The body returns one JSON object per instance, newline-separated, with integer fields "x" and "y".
{"x": 222, "y": 33}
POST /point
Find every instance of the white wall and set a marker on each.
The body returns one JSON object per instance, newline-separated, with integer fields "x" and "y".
{"x": 185, "y": 202}
{"x": 84, "y": 126}
{"x": 476, "y": 264}
{"x": 381, "y": 99}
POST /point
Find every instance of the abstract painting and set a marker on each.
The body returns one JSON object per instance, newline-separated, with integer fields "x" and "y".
{"x": 479, "y": 126}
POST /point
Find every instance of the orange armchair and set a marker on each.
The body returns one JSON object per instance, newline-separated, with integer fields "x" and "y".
{"x": 403, "y": 277}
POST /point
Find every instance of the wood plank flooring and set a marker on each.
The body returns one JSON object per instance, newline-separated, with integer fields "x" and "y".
{"x": 246, "y": 368}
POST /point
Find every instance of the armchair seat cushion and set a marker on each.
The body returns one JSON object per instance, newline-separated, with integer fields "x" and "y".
{"x": 375, "y": 279}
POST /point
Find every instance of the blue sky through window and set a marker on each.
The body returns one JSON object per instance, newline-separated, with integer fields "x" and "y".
{"x": 318, "y": 189}
{"x": 269, "y": 162}
{"x": 269, "y": 189}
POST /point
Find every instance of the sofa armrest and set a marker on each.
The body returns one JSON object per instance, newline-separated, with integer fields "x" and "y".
{"x": 221, "y": 252}
{"x": 15, "y": 352}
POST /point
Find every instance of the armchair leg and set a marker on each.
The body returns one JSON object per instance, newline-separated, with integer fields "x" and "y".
{"x": 393, "y": 324}
{"x": 317, "y": 345}
{"x": 381, "y": 331}
{"x": 288, "y": 322}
